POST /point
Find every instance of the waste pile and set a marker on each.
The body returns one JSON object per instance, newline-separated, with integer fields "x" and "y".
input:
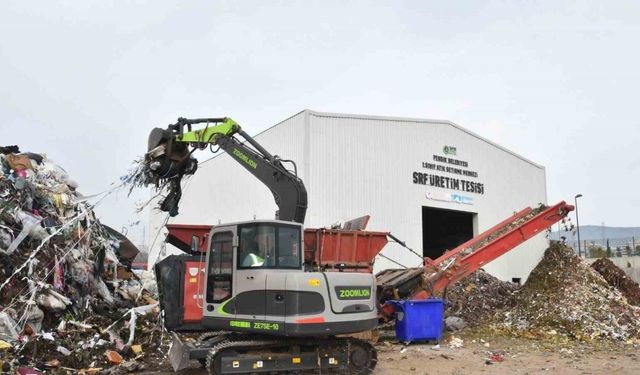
{"x": 68, "y": 298}
{"x": 563, "y": 295}
{"x": 618, "y": 279}
{"x": 477, "y": 297}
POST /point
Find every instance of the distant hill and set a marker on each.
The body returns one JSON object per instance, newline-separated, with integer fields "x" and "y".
{"x": 597, "y": 232}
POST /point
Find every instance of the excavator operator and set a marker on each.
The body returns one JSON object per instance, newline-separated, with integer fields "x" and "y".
{"x": 258, "y": 247}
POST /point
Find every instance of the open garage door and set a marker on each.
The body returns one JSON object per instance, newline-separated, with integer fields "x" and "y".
{"x": 444, "y": 230}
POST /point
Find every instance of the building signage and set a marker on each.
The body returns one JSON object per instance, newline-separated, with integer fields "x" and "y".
{"x": 449, "y": 173}
{"x": 449, "y": 197}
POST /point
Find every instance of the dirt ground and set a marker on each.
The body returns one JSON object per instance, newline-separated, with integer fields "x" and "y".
{"x": 520, "y": 356}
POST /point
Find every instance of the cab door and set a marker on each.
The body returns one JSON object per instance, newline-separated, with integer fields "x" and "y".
{"x": 256, "y": 256}
{"x": 220, "y": 264}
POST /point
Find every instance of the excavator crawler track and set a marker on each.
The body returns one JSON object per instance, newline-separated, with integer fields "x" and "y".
{"x": 210, "y": 339}
{"x": 240, "y": 354}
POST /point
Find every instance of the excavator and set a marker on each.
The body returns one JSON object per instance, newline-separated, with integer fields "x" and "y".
{"x": 261, "y": 311}
{"x": 269, "y": 296}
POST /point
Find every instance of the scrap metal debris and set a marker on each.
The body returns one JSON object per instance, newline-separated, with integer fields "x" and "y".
{"x": 617, "y": 278}
{"x": 67, "y": 293}
{"x": 565, "y": 296}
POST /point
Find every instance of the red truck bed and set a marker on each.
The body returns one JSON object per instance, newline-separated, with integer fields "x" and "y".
{"x": 327, "y": 248}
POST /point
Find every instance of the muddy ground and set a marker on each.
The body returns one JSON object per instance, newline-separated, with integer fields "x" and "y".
{"x": 521, "y": 356}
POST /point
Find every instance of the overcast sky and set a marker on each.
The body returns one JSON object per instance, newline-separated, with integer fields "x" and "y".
{"x": 557, "y": 82}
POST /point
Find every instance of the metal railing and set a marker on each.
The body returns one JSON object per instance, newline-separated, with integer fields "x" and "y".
{"x": 607, "y": 247}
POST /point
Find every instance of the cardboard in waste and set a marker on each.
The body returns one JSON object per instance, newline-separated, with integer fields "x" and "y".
{"x": 113, "y": 357}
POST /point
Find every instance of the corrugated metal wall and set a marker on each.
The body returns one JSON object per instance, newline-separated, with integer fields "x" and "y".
{"x": 357, "y": 165}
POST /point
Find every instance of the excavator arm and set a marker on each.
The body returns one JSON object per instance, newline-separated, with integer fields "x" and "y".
{"x": 169, "y": 158}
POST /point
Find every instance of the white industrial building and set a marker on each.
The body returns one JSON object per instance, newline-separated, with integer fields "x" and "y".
{"x": 431, "y": 183}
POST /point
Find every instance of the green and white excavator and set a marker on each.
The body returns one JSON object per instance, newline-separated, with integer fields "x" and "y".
{"x": 261, "y": 310}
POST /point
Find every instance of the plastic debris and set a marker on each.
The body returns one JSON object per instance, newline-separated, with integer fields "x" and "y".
{"x": 29, "y": 223}
{"x": 53, "y": 301}
{"x": 58, "y": 260}
{"x": 64, "y": 351}
{"x": 456, "y": 342}
{"x": 132, "y": 366}
{"x": 54, "y": 363}
{"x": 34, "y": 317}
{"x": 27, "y": 371}
{"x": 454, "y": 323}
{"x": 496, "y": 356}
{"x": 8, "y": 326}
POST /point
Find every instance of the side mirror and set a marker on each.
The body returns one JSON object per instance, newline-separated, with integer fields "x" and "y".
{"x": 195, "y": 244}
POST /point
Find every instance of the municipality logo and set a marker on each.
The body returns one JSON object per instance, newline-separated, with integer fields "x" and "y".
{"x": 449, "y": 150}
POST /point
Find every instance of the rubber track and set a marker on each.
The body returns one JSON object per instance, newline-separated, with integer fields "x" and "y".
{"x": 240, "y": 342}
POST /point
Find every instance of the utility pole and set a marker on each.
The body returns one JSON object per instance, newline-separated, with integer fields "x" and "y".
{"x": 578, "y": 224}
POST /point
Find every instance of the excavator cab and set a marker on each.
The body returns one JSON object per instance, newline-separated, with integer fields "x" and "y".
{"x": 255, "y": 282}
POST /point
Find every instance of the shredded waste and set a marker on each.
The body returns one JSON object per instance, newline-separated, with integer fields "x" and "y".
{"x": 507, "y": 228}
{"x": 563, "y": 295}
{"x": 476, "y": 298}
{"x": 618, "y": 279}
{"x": 68, "y": 296}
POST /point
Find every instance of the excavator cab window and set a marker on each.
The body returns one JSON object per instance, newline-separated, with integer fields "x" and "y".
{"x": 288, "y": 247}
{"x": 220, "y": 268}
{"x": 269, "y": 246}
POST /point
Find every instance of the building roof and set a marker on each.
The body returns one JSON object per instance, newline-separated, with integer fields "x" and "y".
{"x": 418, "y": 120}
{"x": 399, "y": 119}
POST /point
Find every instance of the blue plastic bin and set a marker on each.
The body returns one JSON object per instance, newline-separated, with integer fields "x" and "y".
{"x": 419, "y": 320}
